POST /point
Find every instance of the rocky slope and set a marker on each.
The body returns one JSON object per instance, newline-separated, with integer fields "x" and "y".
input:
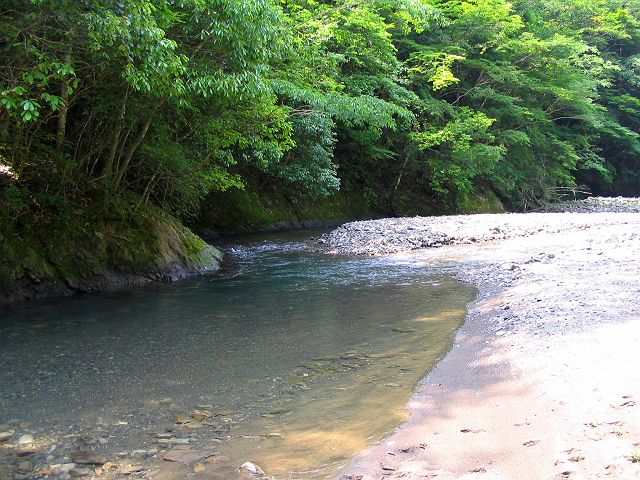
{"x": 100, "y": 256}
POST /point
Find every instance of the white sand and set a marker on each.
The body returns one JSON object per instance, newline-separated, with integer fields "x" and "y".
{"x": 544, "y": 378}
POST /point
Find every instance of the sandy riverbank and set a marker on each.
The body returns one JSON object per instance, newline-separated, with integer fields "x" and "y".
{"x": 543, "y": 381}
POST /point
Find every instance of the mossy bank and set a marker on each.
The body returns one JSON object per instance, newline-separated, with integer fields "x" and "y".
{"x": 255, "y": 209}
{"x": 86, "y": 252}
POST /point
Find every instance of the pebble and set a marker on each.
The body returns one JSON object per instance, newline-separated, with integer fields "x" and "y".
{"x": 4, "y": 436}
{"x": 25, "y": 439}
{"x": 199, "y": 416}
{"x": 65, "y": 467}
{"x": 186, "y": 456}
{"x": 84, "y": 457}
{"x": 129, "y": 469}
{"x": 175, "y": 441}
{"x": 25, "y": 452}
{"x": 393, "y": 235}
{"x": 79, "y": 472}
{"x": 181, "y": 419}
{"x": 251, "y": 468}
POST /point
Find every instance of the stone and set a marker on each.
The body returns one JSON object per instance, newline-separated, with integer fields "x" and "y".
{"x": 199, "y": 468}
{"x": 25, "y": 452}
{"x": 224, "y": 413}
{"x": 87, "y": 440}
{"x": 279, "y": 411}
{"x": 129, "y": 469}
{"x": 104, "y": 468}
{"x": 84, "y": 457}
{"x": 25, "y": 439}
{"x": 180, "y": 419}
{"x": 173, "y": 441}
{"x": 79, "y": 472}
{"x": 24, "y": 467}
{"x": 184, "y": 456}
{"x": 4, "y": 436}
{"x": 251, "y": 469}
{"x": 64, "y": 468}
{"x": 147, "y": 452}
{"x": 509, "y": 266}
{"x": 199, "y": 416}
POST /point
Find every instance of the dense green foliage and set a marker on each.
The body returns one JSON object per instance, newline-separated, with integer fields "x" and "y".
{"x": 108, "y": 106}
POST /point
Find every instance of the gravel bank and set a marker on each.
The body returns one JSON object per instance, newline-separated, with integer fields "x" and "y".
{"x": 542, "y": 381}
{"x": 393, "y": 235}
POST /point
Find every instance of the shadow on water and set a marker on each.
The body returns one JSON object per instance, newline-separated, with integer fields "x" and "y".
{"x": 301, "y": 359}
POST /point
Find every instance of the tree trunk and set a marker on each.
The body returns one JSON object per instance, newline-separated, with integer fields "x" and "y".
{"x": 64, "y": 109}
{"x": 132, "y": 150}
{"x": 113, "y": 149}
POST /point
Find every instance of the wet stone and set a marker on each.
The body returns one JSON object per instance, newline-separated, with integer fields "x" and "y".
{"x": 172, "y": 441}
{"x": 25, "y": 452}
{"x": 79, "y": 472}
{"x": 25, "y": 439}
{"x": 251, "y": 469}
{"x": 181, "y": 455}
{"x": 199, "y": 416}
{"x": 88, "y": 458}
{"x": 129, "y": 469}
{"x": 181, "y": 419}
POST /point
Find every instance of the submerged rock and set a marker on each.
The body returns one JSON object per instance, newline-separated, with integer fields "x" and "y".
{"x": 25, "y": 439}
{"x": 83, "y": 457}
{"x": 186, "y": 456}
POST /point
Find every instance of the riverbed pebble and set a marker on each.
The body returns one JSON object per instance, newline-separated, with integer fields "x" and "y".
{"x": 394, "y": 235}
{"x": 251, "y": 468}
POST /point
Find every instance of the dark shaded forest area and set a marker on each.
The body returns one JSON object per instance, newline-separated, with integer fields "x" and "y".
{"x": 114, "y": 114}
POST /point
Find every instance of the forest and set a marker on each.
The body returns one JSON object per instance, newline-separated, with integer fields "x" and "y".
{"x": 110, "y": 109}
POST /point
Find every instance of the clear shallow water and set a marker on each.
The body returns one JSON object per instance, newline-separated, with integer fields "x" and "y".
{"x": 332, "y": 345}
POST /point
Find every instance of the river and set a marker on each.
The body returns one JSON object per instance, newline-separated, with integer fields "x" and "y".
{"x": 295, "y": 361}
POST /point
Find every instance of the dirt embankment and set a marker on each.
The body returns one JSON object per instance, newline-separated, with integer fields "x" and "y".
{"x": 542, "y": 381}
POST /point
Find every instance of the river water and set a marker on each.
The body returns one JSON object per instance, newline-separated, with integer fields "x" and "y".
{"x": 298, "y": 360}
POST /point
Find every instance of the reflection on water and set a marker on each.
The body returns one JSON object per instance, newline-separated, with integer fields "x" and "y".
{"x": 312, "y": 357}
